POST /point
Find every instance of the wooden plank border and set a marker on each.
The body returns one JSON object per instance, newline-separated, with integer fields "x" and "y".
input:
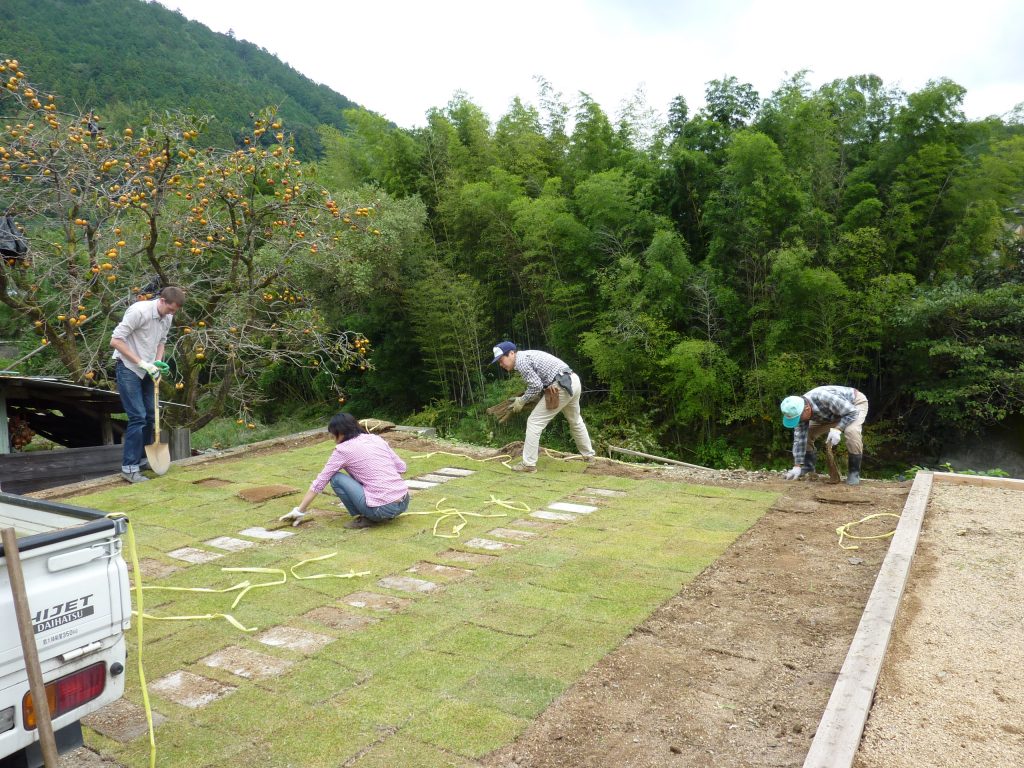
{"x": 839, "y": 733}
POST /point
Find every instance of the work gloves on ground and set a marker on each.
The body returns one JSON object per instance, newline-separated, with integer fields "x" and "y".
{"x": 155, "y": 369}
{"x": 794, "y": 473}
{"x": 295, "y": 517}
{"x": 517, "y": 404}
{"x": 834, "y": 436}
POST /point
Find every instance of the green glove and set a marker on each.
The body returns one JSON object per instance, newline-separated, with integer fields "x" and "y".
{"x": 161, "y": 366}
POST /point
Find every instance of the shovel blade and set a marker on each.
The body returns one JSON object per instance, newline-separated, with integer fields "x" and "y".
{"x": 159, "y": 456}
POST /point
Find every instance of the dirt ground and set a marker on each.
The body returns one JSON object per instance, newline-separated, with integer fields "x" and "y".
{"x": 951, "y": 691}
{"x": 735, "y": 670}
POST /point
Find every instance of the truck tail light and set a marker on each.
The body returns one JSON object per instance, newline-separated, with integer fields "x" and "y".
{"x": 68, "y": 692}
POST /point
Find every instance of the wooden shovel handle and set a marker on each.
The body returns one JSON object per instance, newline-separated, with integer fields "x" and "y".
{"x": 833, "y": 468}
{"x": 47, "y": 743}
{"x": 156, "y": 411}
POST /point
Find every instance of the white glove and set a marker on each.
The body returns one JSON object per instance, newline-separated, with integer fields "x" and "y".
{"x": 517, "y": 404}
{"x": 834, "y": 436}
{"x": 793, "y": 474}
{"x": 149, "y": 368}
{"x": 295, "y": 516}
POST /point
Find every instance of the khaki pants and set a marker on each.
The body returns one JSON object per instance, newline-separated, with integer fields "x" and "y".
{"x": 852, "y": 434}
{"x": 541, "y": 416}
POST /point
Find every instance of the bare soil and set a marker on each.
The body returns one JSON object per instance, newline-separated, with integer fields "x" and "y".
{"x": 951, "y": 691}
{"x": 735, "y": 670}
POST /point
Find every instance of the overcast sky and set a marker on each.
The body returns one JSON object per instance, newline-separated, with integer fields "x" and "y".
{"x": 401, "y": 57}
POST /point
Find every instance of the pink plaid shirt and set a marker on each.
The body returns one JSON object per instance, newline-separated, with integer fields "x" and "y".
{"x": 370, "y": 462}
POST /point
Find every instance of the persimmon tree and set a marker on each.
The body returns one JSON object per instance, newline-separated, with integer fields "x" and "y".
{"x": 109, "y": 219}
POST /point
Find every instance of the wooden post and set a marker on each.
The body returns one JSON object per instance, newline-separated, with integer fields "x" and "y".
{"x": 662, "y": 459}
{"x": 47, "y": 742}
{"x": 5, "y": 442}
{"x": 106, "y": 429}
{"x": 181, "y": 443}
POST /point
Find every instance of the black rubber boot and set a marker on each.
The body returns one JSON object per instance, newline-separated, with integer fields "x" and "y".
{"x": 810, "y": 463}
{"x": 853, "y": 478}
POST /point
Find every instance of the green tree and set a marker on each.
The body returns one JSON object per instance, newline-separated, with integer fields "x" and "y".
{"x": 958, "y": 354}
{"x": 700, "y": 384}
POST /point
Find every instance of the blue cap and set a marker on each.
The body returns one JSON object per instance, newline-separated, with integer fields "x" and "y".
{"x": 792, "y": 409}
{"x": 501, "y": 349}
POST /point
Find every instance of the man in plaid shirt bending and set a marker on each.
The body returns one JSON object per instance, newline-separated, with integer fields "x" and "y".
{"x": 540, "y": 371}
{"x": 833, "y": 409}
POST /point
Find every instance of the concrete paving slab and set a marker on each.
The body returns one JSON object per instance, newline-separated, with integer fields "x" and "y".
{"x": 594, "y": 501}
{"x": 577, "y": 509}
{"x": 557, "y": 517}
{"x": 471, "y": 559}
{"x": 419, "y": 485}
{"x": 408, "y": 584}
{"x": 603, "y": 492}
{"x": 190, "y": 690}
{"x": 121, "y": 720}
{"x": 490, "y": 544}
{"x": 194, "y": 555}
{"x": 336, "y": 618}
{"x": 432, "y": 478}
{"x": 512, "y": 533}
{"x": 230, "y": 544}
{"x": 534, "y": 525}
{"x": 443, "y": 572}
{"x": 294, "y": 639}
{"x": 263, "y": 533}
{"x": 375, "y": 601}
{"x": 83, "y": 757}
{"x": 154, "y": 569}
{"x": 245, "y": 663}
{"x": 455, "y": 471}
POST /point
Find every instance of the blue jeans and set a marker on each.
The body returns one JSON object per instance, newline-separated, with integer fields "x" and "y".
{"x": 354, "y": 498}
{"x": 137, "y": 399}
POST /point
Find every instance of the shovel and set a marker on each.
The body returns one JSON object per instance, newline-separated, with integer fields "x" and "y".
{"x": 158, "y": 452}
{"x": 833, "y": 469}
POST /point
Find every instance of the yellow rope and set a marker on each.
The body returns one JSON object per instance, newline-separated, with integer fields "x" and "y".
{"x": 243, "y": 587}
{"x": 239, "y": 585}
{"x": 844, "y": 530}
{"x": 230, "y": 619}
{"x": 283, "y": 579}
{"x": 504, "y": 456}
{"x": 444, "y": 514}
{"x": 350, "y": 575}
{"x": 516, "y": 506}
{"x": 133, "y": 556}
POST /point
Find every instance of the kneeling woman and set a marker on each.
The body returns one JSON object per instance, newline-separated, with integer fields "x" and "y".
{"x": 364, "y": 472}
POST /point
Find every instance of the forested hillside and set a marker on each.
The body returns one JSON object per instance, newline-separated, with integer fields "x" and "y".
{"x": 125, "y": 58}
{"x": 697, "y": 269}
{"x": 694, "y": 268}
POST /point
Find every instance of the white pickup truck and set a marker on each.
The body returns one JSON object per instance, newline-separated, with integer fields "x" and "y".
{"x": 78, "y": 594}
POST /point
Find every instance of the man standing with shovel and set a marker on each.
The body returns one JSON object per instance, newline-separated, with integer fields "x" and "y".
{"x": 833, "y": 409}
{"x": 138, "y": 343}
{"x": 545, "y": 375}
